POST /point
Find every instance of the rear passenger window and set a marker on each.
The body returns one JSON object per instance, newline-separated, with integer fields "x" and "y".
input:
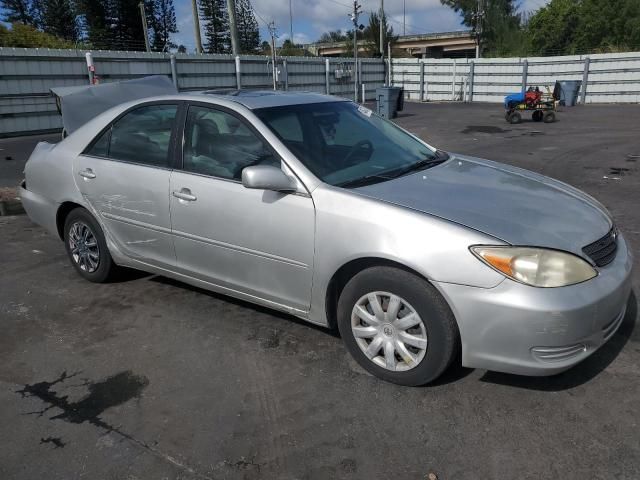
{"x": 141, "y": 136}
{"x": 100, "y": 148}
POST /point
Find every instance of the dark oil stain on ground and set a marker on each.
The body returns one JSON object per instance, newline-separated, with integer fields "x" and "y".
{"x": 107, "y": 393}
{"x": 57, "y": 442}
{"x": 483, "y": 129}
{"x": 619, "y": 171}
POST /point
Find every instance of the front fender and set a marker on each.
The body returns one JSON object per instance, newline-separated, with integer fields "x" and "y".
{"x": 350, "y": 226}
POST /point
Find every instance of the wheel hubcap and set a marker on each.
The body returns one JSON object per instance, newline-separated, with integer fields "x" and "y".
{"x": 389, "y": 331}
{"x": 83, "y": 247}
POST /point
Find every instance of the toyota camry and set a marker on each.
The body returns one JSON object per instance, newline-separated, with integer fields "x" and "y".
{"x": 315, "y": 206}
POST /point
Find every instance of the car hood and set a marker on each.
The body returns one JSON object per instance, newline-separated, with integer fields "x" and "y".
{"x": 509, "y": 203}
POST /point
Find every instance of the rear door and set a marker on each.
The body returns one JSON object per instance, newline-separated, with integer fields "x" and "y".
{"x": 124, "y": 176}
{"x": 255, "y": 242}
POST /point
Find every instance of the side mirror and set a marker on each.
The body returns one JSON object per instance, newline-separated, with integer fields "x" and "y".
{"x": 267, "y": 177}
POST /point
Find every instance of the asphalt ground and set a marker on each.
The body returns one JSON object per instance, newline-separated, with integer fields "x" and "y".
{"x": 149, "y": 378}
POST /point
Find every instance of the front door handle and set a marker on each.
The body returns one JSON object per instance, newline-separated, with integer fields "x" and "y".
{"x": 184, "y": 194}
{"x": 87, "y": 173}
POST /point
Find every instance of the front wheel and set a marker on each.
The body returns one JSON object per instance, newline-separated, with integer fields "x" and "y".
{"x": 397, "y": 326}
{"x": 87, "y": 248}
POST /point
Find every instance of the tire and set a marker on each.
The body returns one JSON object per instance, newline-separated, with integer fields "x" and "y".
{"x": 549, "y": 117}
{"x": 514, "y": 118}
{"x": 92, "y": 261}
{"x": 434, "y": 327}
{"x": 537, "y": 116}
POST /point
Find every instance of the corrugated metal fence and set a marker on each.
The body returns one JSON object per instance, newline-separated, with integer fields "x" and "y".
{"x": 26, "y": 75}
{"x": 606, "y": 78}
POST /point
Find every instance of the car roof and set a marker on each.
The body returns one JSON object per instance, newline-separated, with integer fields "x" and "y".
{"x": 254, "y": 99}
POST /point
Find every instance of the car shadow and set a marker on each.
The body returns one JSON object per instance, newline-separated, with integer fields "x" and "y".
{"x": 244, "y": 304}
{"x": 584, "y": 371}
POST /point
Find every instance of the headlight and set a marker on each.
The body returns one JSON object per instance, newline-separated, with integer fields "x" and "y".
{"x": 538, "y": 267}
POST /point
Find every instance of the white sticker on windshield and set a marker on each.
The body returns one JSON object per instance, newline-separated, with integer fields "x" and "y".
{"x": 364, "y": 110}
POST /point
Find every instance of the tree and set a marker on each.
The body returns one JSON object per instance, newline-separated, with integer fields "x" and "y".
{"x": 248, "y": 30}
{"x": 163, "y": 23}
{"x": 21, "y": 35}
{"x": 371, "y": 34}
{"x": 332, "y": 37}
{"x": 96, "y": 18}
{"x": 289, "y": 49}
{"x": 58, "y": 18}
{"x": 581, "y": 26}
{"x": 126, "y": 24}
{"x": 216, "y": 26}
{"x": 499, "y": 17}
{"x": 605, "y": 25}
{"x": 552, "y": 29}
{"x": 17, "y": 11}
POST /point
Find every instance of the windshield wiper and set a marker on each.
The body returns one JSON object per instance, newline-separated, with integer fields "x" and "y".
{"x": 362, "y": 181}
{"x": 423, "y": 164}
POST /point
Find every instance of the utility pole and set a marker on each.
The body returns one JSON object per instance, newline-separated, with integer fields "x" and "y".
{"x": 382, "y": 29}
{"x": 272, "y": 32}
{"x": 233, "y": 30}
{"x": 354, "y": 18}
{"x": 143, "y": 14}
{"x": 478, "y": 16}
{"x": 291, "y": 23}
{"x": 404, "y": 17}
{"x": 196, "y": 26}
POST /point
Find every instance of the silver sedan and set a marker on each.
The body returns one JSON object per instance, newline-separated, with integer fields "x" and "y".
{"x": 315, "y": 206}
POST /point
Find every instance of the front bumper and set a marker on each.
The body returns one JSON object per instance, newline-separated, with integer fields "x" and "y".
{"x": 516, "y": 328}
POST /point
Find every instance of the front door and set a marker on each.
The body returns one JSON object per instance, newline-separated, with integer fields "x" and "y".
{"x": 254, "y": 242}
{"x": 124, "y": 176}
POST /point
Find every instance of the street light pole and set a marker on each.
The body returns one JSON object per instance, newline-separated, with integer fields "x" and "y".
{"x": 233, "y": 30}
{"x": 354, "y": 17}
{"x": 291, "y": 23}
{"x": 145, "y": 29}
{"x": 196, "y": 26}
{"x": 382, "y": 29}
{"x": 404, "y": 18}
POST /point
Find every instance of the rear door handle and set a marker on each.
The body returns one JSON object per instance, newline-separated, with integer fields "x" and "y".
{"x": 184, "y": 194}
{"x": 87, "y": 173}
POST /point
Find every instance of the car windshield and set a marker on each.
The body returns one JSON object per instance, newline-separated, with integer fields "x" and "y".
{"x": 347, "y": 145}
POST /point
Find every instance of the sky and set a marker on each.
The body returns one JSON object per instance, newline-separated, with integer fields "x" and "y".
{"x": 311, "y": 18}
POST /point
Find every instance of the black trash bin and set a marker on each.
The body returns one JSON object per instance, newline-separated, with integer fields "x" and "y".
{"x": 569, "y": 91}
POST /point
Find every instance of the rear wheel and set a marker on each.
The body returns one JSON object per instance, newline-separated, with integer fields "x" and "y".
{"x": 514, "y": 117}
{"x": 397, "y": 326}
{"x": 87, "y": 248}
{"x": 549, "y": 117}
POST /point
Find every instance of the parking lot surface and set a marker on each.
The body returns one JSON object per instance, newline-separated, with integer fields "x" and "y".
{"x": 148, "y": 378}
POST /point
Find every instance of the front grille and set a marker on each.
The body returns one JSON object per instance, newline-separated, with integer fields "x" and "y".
{"x": 603, "y": 250}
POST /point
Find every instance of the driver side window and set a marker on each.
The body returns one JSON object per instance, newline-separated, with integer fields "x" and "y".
{"x": 220, "y": 145}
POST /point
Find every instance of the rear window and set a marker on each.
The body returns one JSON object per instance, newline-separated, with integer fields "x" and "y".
{"x": 142, "y": 136}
